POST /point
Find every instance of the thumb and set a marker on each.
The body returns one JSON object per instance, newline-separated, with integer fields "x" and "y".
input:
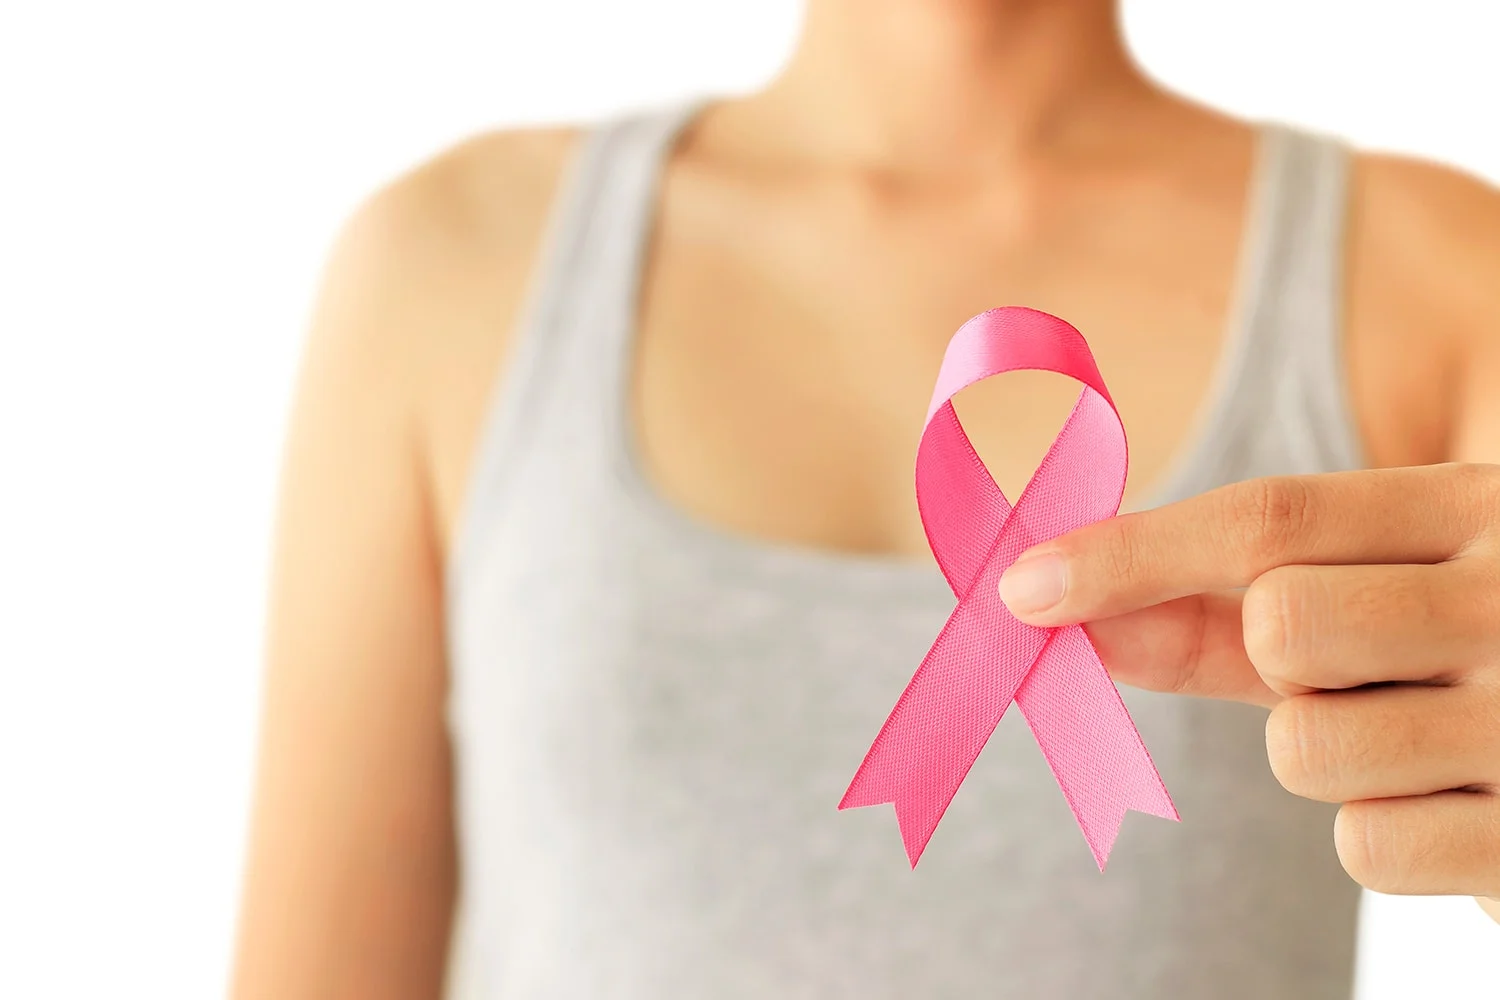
{"x": 1194, "y": 645}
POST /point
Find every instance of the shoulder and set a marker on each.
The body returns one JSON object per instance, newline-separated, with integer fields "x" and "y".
{"x": 1433, "y": 233}
{"x": 1422, "y": 300}
{"x": 423, "y": 288}
{"x": 479, "y": 207}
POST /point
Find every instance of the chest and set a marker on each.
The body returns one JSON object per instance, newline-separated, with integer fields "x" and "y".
{"x": 785, "y": 350}
{"x": 654, "y": 730}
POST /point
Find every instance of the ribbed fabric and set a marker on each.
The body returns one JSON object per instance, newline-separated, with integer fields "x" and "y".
{"x": 654, "y": 720}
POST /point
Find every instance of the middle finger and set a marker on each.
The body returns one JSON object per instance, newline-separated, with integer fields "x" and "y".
{"x": 1342, "y": 746}
{"x": 1329, "y": 627}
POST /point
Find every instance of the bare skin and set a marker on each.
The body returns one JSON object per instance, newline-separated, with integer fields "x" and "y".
{"x": 816, "y": 245}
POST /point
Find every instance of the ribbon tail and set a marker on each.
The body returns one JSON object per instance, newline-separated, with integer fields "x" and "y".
{"x": 919, "y": 807}
{"x": 1086, "y": 733}
{"x": 946, "y": 715}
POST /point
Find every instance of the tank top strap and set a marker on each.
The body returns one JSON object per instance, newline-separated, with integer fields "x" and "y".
{"x": 563, "y": 378}
{"x": 1299, "y": 309}
{"x": 1281, "y": 403}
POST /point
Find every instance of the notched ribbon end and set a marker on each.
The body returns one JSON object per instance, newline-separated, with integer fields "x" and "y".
{"x": 1102, "y": 831}
{"x": 916, "y": 818}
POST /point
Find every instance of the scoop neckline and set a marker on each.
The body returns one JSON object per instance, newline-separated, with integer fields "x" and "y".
{"x": 734, "y": 550}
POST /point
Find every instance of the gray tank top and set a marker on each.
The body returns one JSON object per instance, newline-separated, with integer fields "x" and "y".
{"x": 654, "y": 719}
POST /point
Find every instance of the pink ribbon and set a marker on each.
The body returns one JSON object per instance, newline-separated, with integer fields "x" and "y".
{"x": 984, "y": 657}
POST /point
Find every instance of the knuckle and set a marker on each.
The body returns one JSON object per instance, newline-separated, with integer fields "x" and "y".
{"x": 1296, "y": 750}
{"x": 1476, "y": 601}
{"x": 1480, "y": 477}
{"x": 1273, "y": 513}
{"x": 1458, "y": 605}
{"x": 1488, "y": 856}
{"x": 1362, "y": 836}
{"x": 1388, "y": 848}
{"x": 1123, "y": 557}
{"x": 1321, "y": 746}
{"x": 1379, "y": 599}
{"x": 1272, "y": 619}
{"x": 1478, "y": 485}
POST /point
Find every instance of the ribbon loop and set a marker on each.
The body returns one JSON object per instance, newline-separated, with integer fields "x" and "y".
{"x": 984, "y": 658}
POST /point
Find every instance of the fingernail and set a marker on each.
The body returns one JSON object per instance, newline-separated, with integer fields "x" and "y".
{"x": 1033, "y": 584}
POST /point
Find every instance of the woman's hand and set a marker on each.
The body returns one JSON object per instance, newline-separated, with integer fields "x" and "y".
{"x": 1369, "y": 623}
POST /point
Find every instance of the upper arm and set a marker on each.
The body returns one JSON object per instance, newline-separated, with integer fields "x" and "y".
{"x": 1426, "y": 268}
{"x": 351, "y": 869}
{"x": 351, "y": 876}
{"x": 1477, "y": 435}
{"x": 1465, "y": 264}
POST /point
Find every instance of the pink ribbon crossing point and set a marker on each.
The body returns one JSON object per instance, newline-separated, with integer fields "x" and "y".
{"x": 984, "y": 658}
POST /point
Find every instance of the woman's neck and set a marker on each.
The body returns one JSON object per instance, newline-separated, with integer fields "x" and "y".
{"x": 947, "y": 85}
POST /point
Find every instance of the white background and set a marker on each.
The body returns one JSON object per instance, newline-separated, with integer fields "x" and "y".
{"x": 170, "y": 177}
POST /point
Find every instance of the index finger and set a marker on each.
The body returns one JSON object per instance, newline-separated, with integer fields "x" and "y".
{"x": 1226, "y": 538}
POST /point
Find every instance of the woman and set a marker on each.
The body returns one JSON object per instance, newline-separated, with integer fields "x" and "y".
{"x": 599, "y": 567}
